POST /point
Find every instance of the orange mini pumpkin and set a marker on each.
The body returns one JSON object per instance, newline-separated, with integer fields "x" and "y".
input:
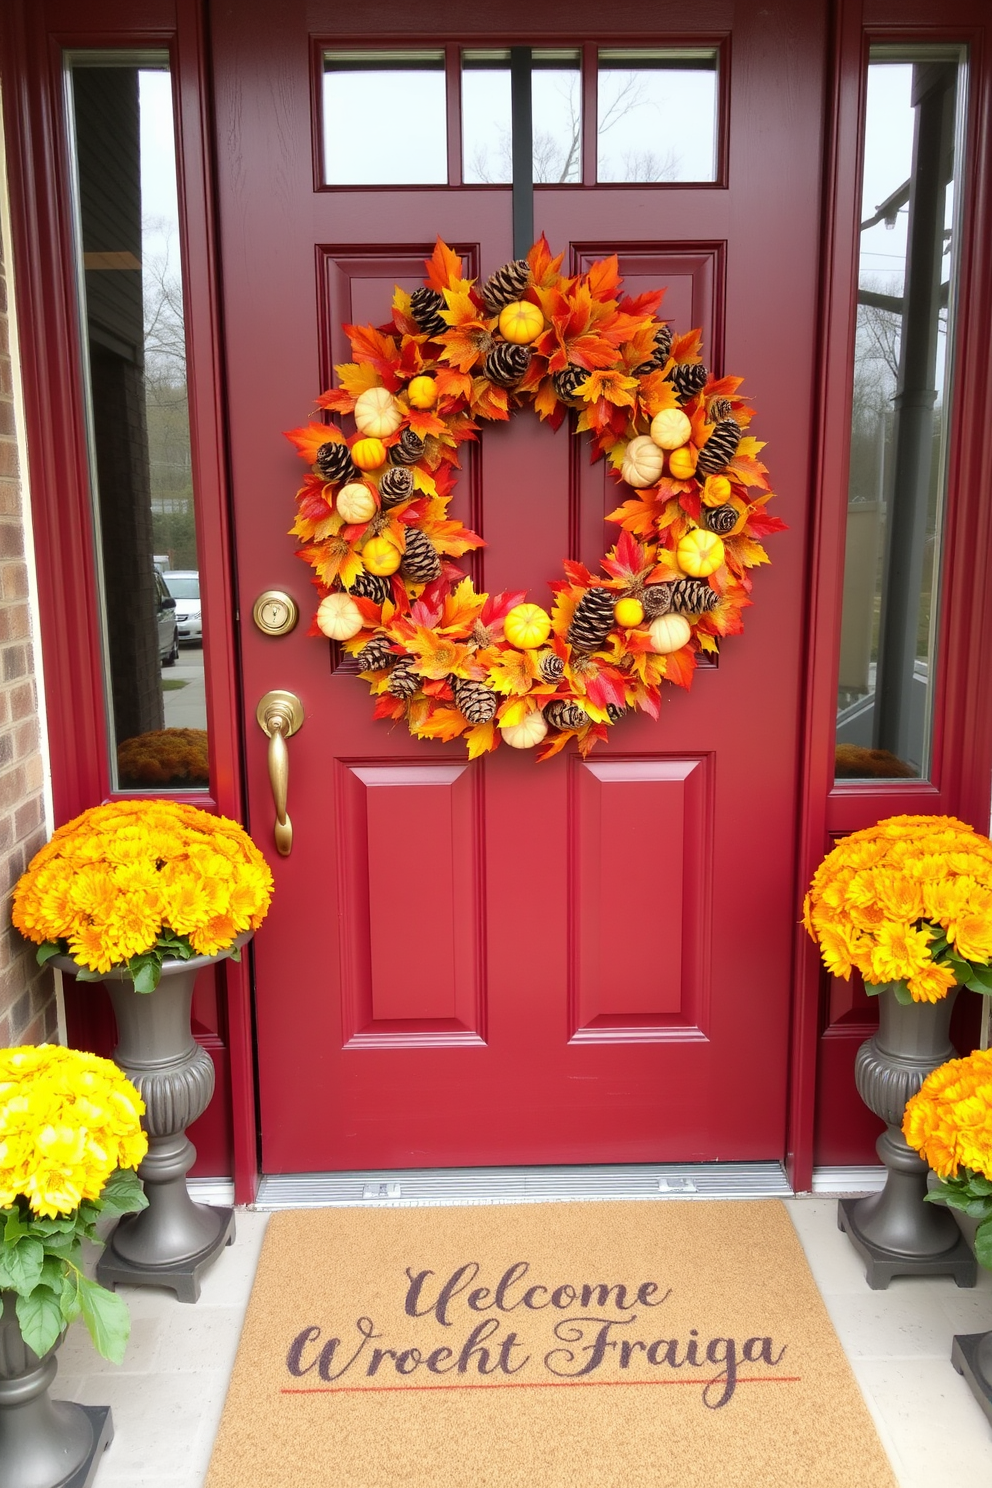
{"x": 716, "y": 490}
{"x": 521, "y": 322}
{"x": 422, "y": 392}
{"x": 527, "y": 626}
{"x": 368, "y": 454}
{"x": 699, "y": 553}
{"x": 682, "y": 462}
{"x": 628, "y": 612}
{"x": 380, "y": 556}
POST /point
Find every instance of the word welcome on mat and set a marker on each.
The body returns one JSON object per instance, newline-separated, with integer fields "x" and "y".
{"x": 541, "y": 1345}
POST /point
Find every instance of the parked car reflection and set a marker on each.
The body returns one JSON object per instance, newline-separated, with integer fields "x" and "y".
{"x": 184, "y": 586}
{"x": 168, "y": 630}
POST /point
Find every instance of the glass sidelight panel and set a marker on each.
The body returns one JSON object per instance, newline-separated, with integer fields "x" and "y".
{"x": 138, "y": 420}
{"x": 487, "y": 125}
{"x": 903, "y": 354}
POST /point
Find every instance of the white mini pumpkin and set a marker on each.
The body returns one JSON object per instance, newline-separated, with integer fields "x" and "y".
{"x": 377, "y": 413}
{"x": 670, "y": 428}
{"x": 356, "y": 503}
{"x": 669, "y": 633}
{"x": 338, "y": 617}
{"x": 643, "y": 462}
{"x": 527, "y": 733}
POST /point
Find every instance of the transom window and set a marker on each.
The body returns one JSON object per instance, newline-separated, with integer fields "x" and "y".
{"x": 644, "y": 116}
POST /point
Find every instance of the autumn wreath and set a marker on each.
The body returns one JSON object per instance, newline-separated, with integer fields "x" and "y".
{"x": 373, "y": 514}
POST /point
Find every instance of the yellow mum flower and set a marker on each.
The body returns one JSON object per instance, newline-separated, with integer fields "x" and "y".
{"x": 931, "y": 984}
{"x": 950, "y": 1121}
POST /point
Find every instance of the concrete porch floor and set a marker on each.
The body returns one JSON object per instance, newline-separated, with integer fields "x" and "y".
{"x": 168, "y": 1395}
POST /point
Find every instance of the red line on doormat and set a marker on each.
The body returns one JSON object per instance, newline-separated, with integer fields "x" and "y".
{"x": 757, "y": 1379}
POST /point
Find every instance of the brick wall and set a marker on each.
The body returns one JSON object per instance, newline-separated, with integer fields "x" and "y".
{"x": 27, "y": 1000}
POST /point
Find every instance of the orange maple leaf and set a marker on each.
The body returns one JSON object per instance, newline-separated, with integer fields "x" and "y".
{"x": 443, "y": 267}
{"x": 310, "y": 437}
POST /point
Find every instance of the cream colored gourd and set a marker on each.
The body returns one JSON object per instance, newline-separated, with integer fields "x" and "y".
{"x": 527, "y": 733}
{"x": 670, "y": 428}
{"x": 669, "y": 633}
{"x": 377, "y": 413}
{"x": 338, "y": 617}
{"x": 643, "y": 462}
{"x": 356, "y": 503}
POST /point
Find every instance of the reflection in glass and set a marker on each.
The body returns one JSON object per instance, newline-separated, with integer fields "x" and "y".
{"x": 902, "y": 358}
{"x": 657, "y": 115}
{"x": 384, "y": 119}
{"x": 487, "y": 132}
{"x": 138, "y": 413}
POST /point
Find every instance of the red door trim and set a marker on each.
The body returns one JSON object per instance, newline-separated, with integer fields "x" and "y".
{"x": 962, "y": 766}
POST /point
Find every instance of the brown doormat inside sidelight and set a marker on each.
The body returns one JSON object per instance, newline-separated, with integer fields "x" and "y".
{"x": 538, "y": 1345}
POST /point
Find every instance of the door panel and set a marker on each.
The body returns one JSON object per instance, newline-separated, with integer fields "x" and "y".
{"x": 501, "y": 961}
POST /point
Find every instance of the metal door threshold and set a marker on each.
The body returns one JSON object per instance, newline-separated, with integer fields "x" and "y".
{"x": 428, "y": 1187}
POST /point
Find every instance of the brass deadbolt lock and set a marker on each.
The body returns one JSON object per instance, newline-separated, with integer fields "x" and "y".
{"x": 275, "y": 613}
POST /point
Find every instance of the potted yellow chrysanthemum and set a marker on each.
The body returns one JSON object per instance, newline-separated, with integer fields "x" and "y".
{"x": 141, "y": 894}
{"x": 70, "y": 1137}
{"x": 908, "y": 904}
{"x": 949, "y": 1122}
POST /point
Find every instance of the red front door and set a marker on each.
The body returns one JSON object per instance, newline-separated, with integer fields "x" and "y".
{"x": 500, "y": 961}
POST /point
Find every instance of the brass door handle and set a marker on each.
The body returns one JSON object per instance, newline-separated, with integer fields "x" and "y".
{"x": 279, "y": 715}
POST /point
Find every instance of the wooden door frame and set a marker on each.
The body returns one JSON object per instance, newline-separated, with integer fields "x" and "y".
{"x": 962, "y": 743}
{"x": 31, "y": 39}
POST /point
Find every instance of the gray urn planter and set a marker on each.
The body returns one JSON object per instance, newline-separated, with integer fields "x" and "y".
{"x": 895, "y": 1231}
{"x": 44, "y": 1443}
{"x": 174, "y": 1240}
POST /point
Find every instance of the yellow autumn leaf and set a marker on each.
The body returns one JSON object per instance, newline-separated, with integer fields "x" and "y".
{"x": 357, "y": 377}
{"x": 513, "y": 673}
{"x": 481, "y": 739}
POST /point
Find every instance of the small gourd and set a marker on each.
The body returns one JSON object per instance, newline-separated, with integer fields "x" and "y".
{"x": 682, "y": 462}
{"x": 422, "y": 392}
{"x": 669, "y": 633}
{"x": 716, "y": 490}
{"x": 356, "y": 502}
{"x": 527, "y": 626}
{"x": 700, "y": 552}
{"x": 628, "y": 612}
{"x": 377, "y": 413}
{"x": 643, "y": 462}
{"x": 670, "y": 428}
{"x": 521, "y": 322}
{"x": 368, "y": 454}
{"x": 527, "y": 733}
{"x": 380, "y": 556}
{"x": 338, "y": 617}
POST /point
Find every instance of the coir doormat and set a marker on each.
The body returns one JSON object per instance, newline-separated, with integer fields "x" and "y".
{"x": 539, "y": 1346}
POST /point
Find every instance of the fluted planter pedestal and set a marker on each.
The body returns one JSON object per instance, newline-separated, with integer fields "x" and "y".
{"x": 44, "y": 1443}
{"x": 895, "y": 1232}
{"x": 971, "y": 1355}
{"x": 173, "y": 1241}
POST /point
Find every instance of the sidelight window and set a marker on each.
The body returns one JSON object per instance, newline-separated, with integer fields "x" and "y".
{"x": 902, "y": 408}
{"x": 132, "y": 320}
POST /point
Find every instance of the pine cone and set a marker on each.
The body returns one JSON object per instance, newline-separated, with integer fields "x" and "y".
{"x": 334, "y": 462}
{"x": 719, "y": 409}
{"x": 403, "y": 680}
{"x": 721, "y": 519}
{"x": 396, "y": 486}
{"x": 408, "y": 450}
{"x": 662, "y": 351}
{"x": 566, "y": 382}
{"x": 614, "y": 712}
{"x": 425, "y": 307}
{"x": 720, "y": 447}
{"x": 551, "y": 665}
{"x": 375, "y": 655}
{"x": 506, "y": 285}
{"x": 371, "y": 586}
{"x": 657, "y": 600}
{"x": 593, "y": 619}
{"x": 693, "y": 597}
{"x": 506, "y": 363}
{"x": 477, "y": 701}
{"x": 421, "y": 560}
{"x": 562, "y": 713}
{"x": 688, "y": 379}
